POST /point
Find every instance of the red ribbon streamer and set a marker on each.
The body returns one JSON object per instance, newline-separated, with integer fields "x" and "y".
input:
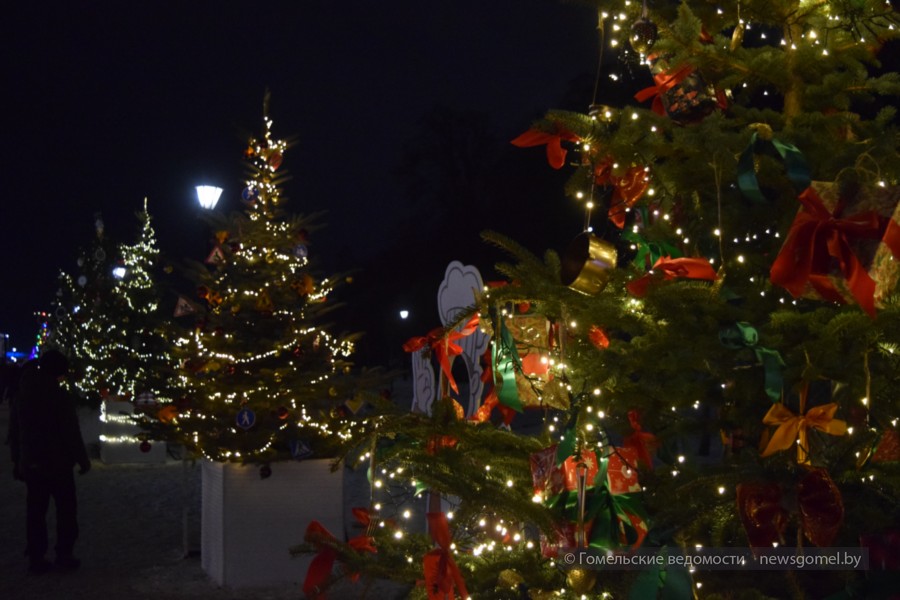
{"x": 556, "y": 154}
{"x": 671, "y": 268}
{"x": 444, "y": 346}
{"x": 442, "y": 577}
{"x": 319, "y": 571}
{"x": 642, "y": 441}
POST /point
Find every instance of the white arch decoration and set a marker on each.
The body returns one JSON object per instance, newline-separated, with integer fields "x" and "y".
{"x": 458, "y": 291}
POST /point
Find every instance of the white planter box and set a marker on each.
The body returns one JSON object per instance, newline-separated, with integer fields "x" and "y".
{"x": 249, "y": 524}
{"x": 89, "y": 422}
{"x": 118, "y": 437}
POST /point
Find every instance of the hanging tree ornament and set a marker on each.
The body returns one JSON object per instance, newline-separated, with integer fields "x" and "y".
{"x": 737, "y": 36}
{"x": 643, "y": 33}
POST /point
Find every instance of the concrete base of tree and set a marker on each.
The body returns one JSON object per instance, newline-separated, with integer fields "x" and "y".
{"x": 249, "y": 524}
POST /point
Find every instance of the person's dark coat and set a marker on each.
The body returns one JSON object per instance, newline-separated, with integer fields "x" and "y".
{"x": 44, "y": 434}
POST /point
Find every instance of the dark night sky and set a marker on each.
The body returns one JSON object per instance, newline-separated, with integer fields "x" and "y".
{"x": 109, "y": 102}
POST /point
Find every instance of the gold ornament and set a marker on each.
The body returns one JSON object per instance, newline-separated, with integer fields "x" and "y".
{"x": 643, "y": 35}
{"x": 509, "y": 578}
{"x": 737, "y": 36}
{"x": 581, "y": 581}
{"x": 542, "y": 594}
{"x": 587, "y": 263}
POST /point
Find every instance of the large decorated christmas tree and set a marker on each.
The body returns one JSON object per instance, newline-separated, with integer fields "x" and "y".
{"x": 262, "y": 373}
{"x": 712, "y": 363}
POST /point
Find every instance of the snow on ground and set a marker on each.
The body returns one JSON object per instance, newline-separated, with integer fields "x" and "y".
{"x": 134, "y": 543}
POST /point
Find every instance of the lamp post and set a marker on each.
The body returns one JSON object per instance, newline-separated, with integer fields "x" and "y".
{"x": 208, "y": 195}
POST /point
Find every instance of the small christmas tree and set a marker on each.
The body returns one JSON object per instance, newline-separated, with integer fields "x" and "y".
{"x": 259, "y": 364}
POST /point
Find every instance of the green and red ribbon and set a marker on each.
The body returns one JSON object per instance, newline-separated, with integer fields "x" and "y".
{"x": 819, "y": 237}
{"x": 615, "y": 520}
{"x": 505, "y": 362}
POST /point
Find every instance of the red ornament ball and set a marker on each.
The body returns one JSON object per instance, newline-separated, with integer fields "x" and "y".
{"x": 145, "y": 446}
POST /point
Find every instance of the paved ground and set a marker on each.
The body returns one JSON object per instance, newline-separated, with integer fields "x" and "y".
{"x": 133, "y": 538}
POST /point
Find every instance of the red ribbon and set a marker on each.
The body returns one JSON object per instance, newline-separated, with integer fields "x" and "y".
{"x": 671, "y": 268}
{"x": 664, "y": 83}
{"x": 442, "y": 577}
{"x": 765, "y": 517}
{"x": 627, "y": 188}
{"x": 643, "y": 442}
{"x": 556, "y": 154}
{"x": 817, "y": 236}
{"x": 443, "y": 346}
{"x": 319, "y": 571}
{"x": 598, "y": 337}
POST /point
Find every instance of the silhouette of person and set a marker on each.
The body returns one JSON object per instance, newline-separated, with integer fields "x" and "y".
{"x": 45, "y": 443}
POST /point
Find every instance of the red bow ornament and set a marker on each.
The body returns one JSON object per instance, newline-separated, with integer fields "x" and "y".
{"x": 319, "y": 571}
{"x": 765, "y": 516}
{"x": 443, "y": 345}
{"x": 664, "y": 83}
{"x": 819, "y": 238}
{"x": 672, "y": 268}
{"x": 627, "y": 188}
{"x": 556, "y": 154}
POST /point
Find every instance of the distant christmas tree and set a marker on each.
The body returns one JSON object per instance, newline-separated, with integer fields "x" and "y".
{"x": 259, "y": 365}
{"x": 110, "y": 321}
{"x": 138, "y": 361}
{"x": 80, "y": 322}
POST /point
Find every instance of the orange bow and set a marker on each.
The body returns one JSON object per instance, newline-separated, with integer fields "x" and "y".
{"x": 796, "y": 427}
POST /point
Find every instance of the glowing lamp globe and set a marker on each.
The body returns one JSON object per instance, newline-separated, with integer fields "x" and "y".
{"x": 208, "y": 195}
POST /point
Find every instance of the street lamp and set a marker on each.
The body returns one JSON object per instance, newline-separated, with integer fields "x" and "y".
{"x": 208, "y": 195}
